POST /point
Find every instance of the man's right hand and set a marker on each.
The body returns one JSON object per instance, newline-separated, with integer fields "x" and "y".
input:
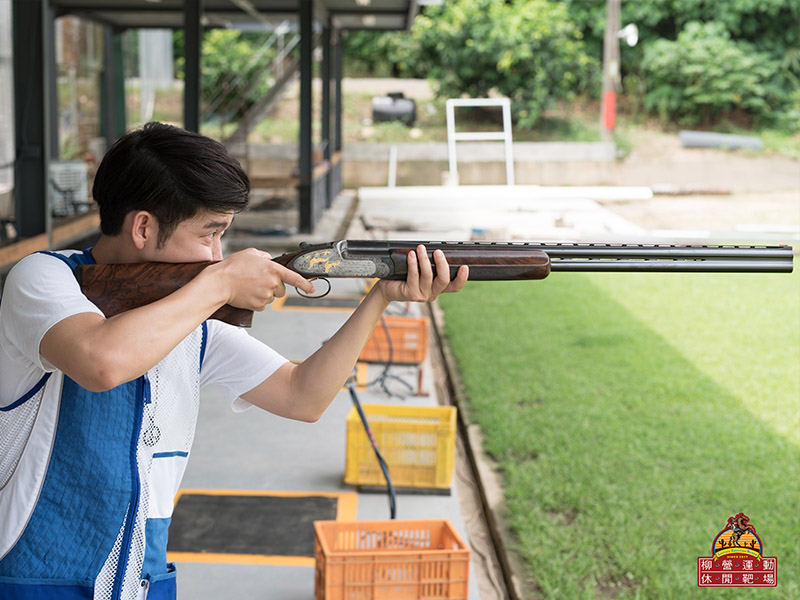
{"x": 101, "y": 353}
{"x": 252, "y": 280}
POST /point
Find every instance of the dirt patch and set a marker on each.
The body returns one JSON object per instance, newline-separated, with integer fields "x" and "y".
{"x": 751, "y": 211}
{"x": 761, "y": 191}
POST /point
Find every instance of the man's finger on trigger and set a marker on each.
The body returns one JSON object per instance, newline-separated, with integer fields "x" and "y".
{"x": 302, "y": 283}
{"x": 295, "y": 279}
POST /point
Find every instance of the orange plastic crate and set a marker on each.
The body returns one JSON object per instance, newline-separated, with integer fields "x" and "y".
{"x": 390, "y": 560}
{"x": 409, "y": 337}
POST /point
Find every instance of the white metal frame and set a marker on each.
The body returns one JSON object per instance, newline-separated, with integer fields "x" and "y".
{"x": 480, "y": 136}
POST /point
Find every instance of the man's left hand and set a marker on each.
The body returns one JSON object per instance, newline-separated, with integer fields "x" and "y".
{"x": 421, "y": 285}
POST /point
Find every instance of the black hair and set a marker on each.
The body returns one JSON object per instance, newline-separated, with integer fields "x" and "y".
{"x": 169, "y": 172}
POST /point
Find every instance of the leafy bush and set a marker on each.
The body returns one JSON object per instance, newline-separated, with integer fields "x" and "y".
{"x": 787, "y": 118}
{"x": 381, "y": 54}
{"x": 705, "y": 73}
{"x": 528, "y": 51}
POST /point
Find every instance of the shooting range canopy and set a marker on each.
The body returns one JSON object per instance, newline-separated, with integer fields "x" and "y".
{"x": 345, "y": 14}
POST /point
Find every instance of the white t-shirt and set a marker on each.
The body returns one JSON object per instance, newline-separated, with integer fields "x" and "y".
{"x": 41, "y": 290}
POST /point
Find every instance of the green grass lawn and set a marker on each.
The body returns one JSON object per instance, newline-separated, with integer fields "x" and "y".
{"x": 631, "y": 415}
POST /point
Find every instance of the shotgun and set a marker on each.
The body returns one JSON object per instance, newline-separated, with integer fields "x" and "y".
{"x": 115, "y": 288}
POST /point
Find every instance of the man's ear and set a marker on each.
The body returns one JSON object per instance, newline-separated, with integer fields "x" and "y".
{"x": 144, "y": 229}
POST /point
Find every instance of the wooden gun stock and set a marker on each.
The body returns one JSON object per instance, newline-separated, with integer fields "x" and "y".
{"x": 117, "y": 288}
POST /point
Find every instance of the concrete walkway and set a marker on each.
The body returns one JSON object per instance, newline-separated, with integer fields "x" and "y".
{"x": 258, "y": 451}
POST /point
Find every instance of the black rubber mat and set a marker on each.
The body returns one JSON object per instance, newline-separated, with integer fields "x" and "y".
{"x": 263, "y": 525}
{"x": 298, "y": 301}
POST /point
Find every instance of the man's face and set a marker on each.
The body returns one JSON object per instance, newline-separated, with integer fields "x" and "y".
{"x": 196, "y": 239}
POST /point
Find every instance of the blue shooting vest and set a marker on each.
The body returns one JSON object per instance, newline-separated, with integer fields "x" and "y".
{"x": 87, "y": 480}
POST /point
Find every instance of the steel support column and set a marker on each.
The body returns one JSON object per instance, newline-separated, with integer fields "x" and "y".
{"x": 51, "y": 83}
{"x": 112, "y": 96}
{"x": 31, "y": 116}
{"x": 325, "y": 78}
{"x": 118, "y": 86}
{"x": 193, "y": 31}
{"x": 338, "y": 69}
{"x": 305, "y": 162}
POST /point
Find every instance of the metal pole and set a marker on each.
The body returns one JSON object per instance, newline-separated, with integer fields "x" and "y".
{"x": 48, "y": 55}
{"x": 305, "y": 166}
{"x": 392, "y": 181}
{"x": 118, "y": 85}
{"x": 451, "y": 139}
{"x": 509, "y": 145}
{"x": 51, "y": 87}
{"x": 325, "y": 78}
{"x": 30, "y": 117}
{"x": 339, "y": 70}
{"x": 193, "y": 28}
{"x": 610, "y": 69}
{"x": 107, "y": 93}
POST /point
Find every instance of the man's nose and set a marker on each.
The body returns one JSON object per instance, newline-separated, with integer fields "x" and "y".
{"x": 216, "y": 249}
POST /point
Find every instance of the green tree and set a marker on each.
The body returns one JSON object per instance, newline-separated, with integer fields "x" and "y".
{"x": 381, "y": 54}
{"x": 768, "y": 27}
{"x": 704, "y": 74}
{"x": 528, "y": 51}
{"x": 233, "y": 74}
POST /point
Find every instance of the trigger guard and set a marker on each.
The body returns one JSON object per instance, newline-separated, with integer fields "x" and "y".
{"x": 302, "y": 294}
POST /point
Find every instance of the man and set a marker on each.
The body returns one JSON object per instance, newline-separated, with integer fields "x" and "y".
{"x": 97, "y": 415}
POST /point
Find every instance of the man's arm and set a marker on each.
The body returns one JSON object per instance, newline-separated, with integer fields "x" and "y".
{"x": 304, "y": 391}
{"x": 100, "y": 353}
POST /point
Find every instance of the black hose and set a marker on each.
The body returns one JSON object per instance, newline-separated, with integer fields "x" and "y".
{"x": 384, "y": 467}
{"x": 384, "y": 377}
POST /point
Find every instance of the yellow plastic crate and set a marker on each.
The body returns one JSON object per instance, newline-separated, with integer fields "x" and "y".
{"x": 390, "y": 560}
{"x": 418, "y": 444}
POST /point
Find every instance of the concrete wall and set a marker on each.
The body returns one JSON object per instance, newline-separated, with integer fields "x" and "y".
{"x": 543, "y": 164}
